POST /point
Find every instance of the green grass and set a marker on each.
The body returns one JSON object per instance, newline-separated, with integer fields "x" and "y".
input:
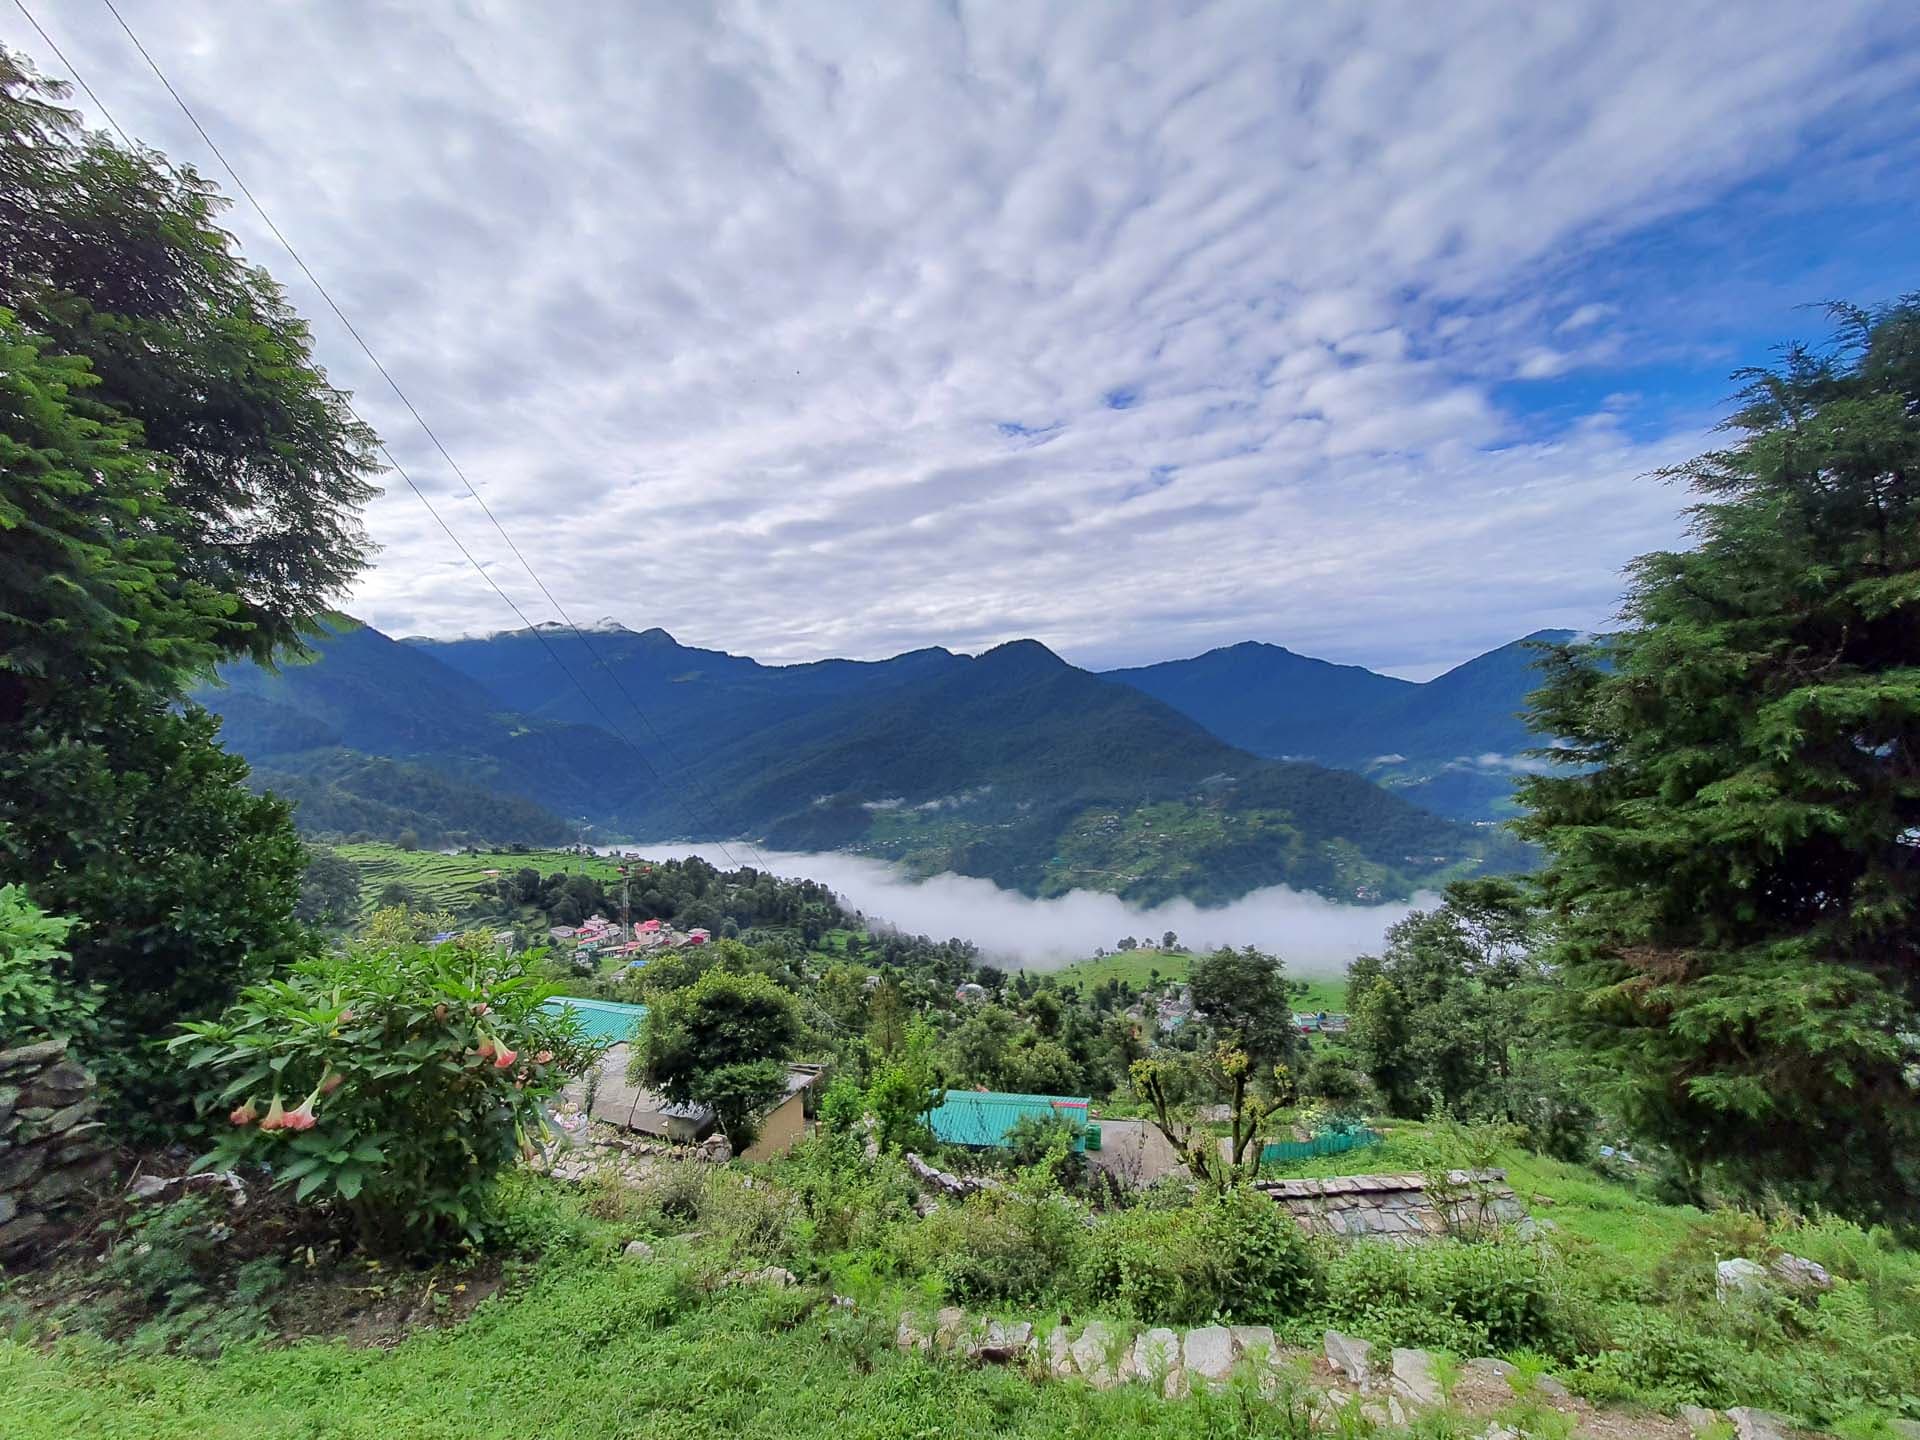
{"x": 1135, "y": 968}
{"x": 447, "y": 882}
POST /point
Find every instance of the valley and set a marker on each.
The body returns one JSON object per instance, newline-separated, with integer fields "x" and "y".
{"x": 1011, "y": 766}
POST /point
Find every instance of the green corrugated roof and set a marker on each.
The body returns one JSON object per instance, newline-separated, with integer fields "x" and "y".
{"x": 980, "y": 1118}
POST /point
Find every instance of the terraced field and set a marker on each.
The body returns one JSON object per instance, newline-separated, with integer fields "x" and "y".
{"x": 1136, "y": 967}
{"x": 448, "y": 882}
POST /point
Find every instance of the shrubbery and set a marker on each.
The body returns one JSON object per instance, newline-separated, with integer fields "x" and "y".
{"x": 34, "y": 1000}
{"x": 1471, "y": 1298}
{"x": 422, "y": 1071}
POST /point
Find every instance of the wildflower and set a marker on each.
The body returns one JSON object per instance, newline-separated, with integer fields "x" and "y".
{"x": 481, "y": 1008}
{"x": 276, "y": 1118}
{"x": 545, "y": 1057}
{"x": 505, "y": 1058}
{"x": 244, "y": 1114}
{"x": 330, "y": 1082}
{"x": 302, "y": 1118}
{"x": 440, "y": 1011}
{"x": 486, "y": 1046}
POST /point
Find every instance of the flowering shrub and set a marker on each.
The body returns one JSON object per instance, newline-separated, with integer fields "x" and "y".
{"x": 395, "y": 1080}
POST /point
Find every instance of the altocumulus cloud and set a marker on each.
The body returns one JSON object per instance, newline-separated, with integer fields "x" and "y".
{"x": 1314, "y": 935}
{"x": 841, "y": 329}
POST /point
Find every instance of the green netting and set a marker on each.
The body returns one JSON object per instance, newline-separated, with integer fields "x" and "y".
{"x": 1327, "y": 1142}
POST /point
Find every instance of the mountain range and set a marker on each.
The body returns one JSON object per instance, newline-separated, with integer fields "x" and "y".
{"x": 1209, "y": 777}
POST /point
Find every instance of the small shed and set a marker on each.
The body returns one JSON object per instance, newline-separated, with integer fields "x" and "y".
{"x": 980, "y": 1119}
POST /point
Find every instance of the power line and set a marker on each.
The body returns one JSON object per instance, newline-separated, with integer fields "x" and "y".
{"x": 658, "y": 739}
{"x": 60, "y": 55}
{"x": 360, "y": 340}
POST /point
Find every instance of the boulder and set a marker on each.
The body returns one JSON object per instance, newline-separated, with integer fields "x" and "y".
{"x": 638, "y": 1250}
{"x": 1155, "y": 1357}
{"x": 909, "y": 1336}
{"x": 774, "y": 1275}
{"x": 1004, "y": 1342}
{"x": 58, "y": 1085}
{"x": 1698, "y": 1418}
{"x": 948, "y": 1326}
{"x": 1488, "y": 1365}
{"x": 1802, "y": 1277}
{"x": 1209, "y": 1353}
{"x": 1752, "y": 1424}
{"x": 1349, "y": 1356}
{"x": 1255, "y": 1343}
{"x": 31, "y": 1057}
{"x": 1093, "y": 1356}
{"x": 1413, "y": 1377}
{"x": 1060, "y": 1352}
{"x": 1550, "y": 1387}
{"x": 1739, "y": 1277}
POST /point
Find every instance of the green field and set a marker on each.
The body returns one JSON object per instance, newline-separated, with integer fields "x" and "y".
{"x": 448, "y": 882}
{"x": 1136, "y": 967}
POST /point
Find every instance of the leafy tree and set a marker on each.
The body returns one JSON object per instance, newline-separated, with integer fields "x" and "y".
{"x": 1731, "y": 853}
{"x": 1243, "y": 995}
{"x": 903, "y": 1089}
{"x": 117, "y": 256}
{"x": 330, "y": 889}
{"x": 1169, "y": 941}
{"x": 723, "y": 1042}
{"x": 1171, "y": 1086}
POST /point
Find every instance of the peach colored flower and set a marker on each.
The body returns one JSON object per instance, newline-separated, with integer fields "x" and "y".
{"x": 276, "y": 1117}
{"x": 331, "y": 1082}
{"x": 505, "y": 1058}
{"x": 244, "y": 1114}
{"x": 545, "y": 1057}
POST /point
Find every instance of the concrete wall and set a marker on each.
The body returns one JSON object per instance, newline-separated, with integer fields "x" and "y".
{"x": 784, "y": 1127}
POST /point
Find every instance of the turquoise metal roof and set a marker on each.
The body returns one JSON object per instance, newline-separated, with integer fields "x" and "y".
{"x": 982, "y": 1118}
{"x": 601, "y": 1019}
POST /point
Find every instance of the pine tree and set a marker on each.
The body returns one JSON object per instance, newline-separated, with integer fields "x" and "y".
{"x": 1734, "y": 840}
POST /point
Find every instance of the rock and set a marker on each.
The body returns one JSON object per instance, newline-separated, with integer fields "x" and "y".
{"x": 638, "y": 1250}
{"x": 1003, "y": 1343}
{"x": 1350, "y": 1356}
{"x": 1550, "y": 1387}
{"x": 67, "y": 1117}
{"x": 9, "y": 1207}
{"x": 1060, "y": 1352}
{"x": 716, "y": 1149}
{"x": 909, "y": 1336}
{"x": 1698, "y": 1418}
{"x": 58, "y": 1085}
{"x": 9, "y": 1097}
{"x": 1413, "y": 1377}
{"x": 20, "y": 1229}
{"x": 1739, "y": 1277}
{"x": 31, "y": 1057}
{"x": 1209, "y": 1353}
{"x": 1488, "y": 1365}
{"x": 1497, "y": 1431}
{"x": 1802, "y": 1277}
{"x": 1156, "y": 1356}
{"x": 17, "y": 1167}
{"x": 1752, "y": 1424}
{"x": 770, "y": 1275}
{"x": 948, "y": 1326}
{"x": 1093, "y": 1356}
{"x": 1256, "y": 1343}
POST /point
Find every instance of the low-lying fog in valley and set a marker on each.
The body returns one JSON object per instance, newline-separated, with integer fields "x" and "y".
{"x": 1314, "y": 935}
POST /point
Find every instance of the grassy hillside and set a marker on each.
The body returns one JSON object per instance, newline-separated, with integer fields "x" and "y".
{"x": 576, "y": 1342}
{"x": 1136, "y": 967}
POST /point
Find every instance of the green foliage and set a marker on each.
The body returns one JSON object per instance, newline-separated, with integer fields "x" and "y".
{"x": 903, "y": 1088}
{"x": 1243, "y": 995}
{"x": 1017, "y": 1242}
{"x": 722, "y": 1041}
{"x": 125, "y": 814}
{"x": 330, "y": 889}
{"x": 423, "y": 1071}
{"x": 1468, "y": 1298}
{"x": 34, "y": 1000}
{"x": 1731, "y": 862}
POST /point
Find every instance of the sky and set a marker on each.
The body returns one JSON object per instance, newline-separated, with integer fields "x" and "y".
{"x": 841, "y": 329}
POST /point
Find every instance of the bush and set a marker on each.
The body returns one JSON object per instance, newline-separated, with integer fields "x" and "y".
{"x": 1016, "y": 1243}
{"x": 423, "y": 1070}
{"x": 1235, "y": 1256}
{"x": 1469, "y": 1298}
{"x": 34, "y": 1001}
{"x": 1259, "y": 1265}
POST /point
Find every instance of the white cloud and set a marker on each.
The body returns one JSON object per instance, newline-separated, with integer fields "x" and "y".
{"x": 1315, "y": 936}
{"x": 1132, "y": 328}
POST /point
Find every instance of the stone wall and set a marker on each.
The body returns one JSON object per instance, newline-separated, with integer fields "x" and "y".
{"x": 1398, "y": 1208}
{"x": 49, "y": 1147}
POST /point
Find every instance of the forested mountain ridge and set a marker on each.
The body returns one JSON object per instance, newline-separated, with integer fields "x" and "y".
{"x": 1454, "y": 744}
{"x": 1012, "y": 765}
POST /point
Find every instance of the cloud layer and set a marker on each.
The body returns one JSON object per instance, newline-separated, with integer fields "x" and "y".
{"x": 842, "y": 329}
{"x": 1315, "y": 936}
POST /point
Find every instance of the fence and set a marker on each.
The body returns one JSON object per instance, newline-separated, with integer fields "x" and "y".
{"x": 1327, "y": 1142}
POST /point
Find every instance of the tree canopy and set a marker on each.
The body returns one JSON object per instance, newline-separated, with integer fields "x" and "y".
{"x": 1733, "y": 840}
